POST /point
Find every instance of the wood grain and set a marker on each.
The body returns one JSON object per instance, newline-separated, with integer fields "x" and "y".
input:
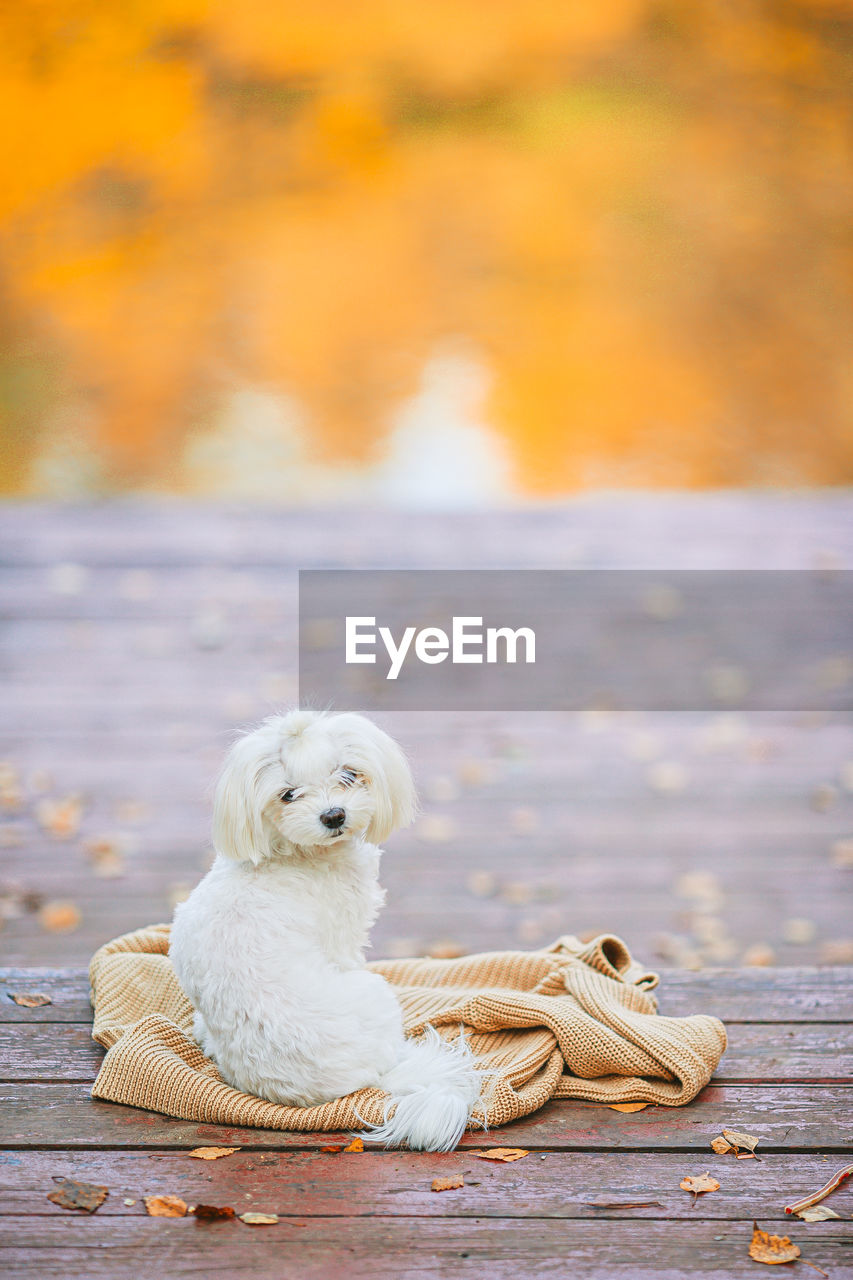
{"x": 767, "y": 1053}
{"x": 398, "y": 1184}
{"x": 735, "y": 995}
{"x": 785, "y": 1117}
{"x": 400, "y": 1249}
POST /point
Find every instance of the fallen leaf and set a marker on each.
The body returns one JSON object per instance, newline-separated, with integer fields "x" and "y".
{"x": 166, "y": 1206}
{"x": 817, "y": 1213}
{"x": 699, "y": 1186}
{"x": 78, "y": 1195}
{"x": 746, "y": 1141}
{"x": 212, "y": 1153}
{"x": 30, "y": 999}
{"x": 722, "y": 1146}
{"x": 445, "y": 949}
{"x": 59, "y": 917}
{"x": 504, "y": 1154}
{"x": 448, "y": 1184}
{"x": 627, "y": 1106}
{"x": 259, "y": 1219}
{"x": 61, "y": 818}
{"x": 212, "y": 1212}
{"x": 331, "y": 1151}
{"x": 128, "y": 1201}
{"x": 771, "y": 1249}
{"x": 356, "y": 1145}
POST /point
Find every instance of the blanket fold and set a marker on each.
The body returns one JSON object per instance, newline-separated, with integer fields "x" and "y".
{"x": 574, "y": 1020}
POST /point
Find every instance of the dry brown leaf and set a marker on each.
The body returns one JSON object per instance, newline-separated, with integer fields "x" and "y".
{"x": 455, "y": 1181}
{"x": 30, "y": 999}
{"x": 212, "y": 1212}
{"x": 504, "y": 1154}
{"x": 331, "y": 1151}
{"x": 165, "y": 1206}
{"x": 628, "y": 1106}
{"x": 771, "y": 1249}
{"x": 356, "y": 1145}
{"x": 61, "y": 818}
{"x": 212, "y": 1153}
{"x": 259, "y": 1219}
{"x": 78, "y": 1195}
{"x": 817, "y": 1213}
{"x": 722, "y": 1146}
{"x": 699, "y": 1186}
{"x": 59, "y": 917}
{"x": 741, "y": 1141}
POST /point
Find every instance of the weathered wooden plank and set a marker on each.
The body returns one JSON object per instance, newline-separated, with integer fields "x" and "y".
{"x": 776, "y": 1053}
{"x": 739, "y": 529}
{"x": 785, "y": 1117}
{"x": 390, "y": 1248}
{"x": 398, "y": 1184}
{"x": 735, "y": 995}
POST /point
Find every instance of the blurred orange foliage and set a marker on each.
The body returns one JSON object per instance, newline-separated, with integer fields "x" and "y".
{"x": 636, "y": 213}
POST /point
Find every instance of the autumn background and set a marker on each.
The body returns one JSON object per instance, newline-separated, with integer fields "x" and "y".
{"x": 446, "y": 285}
{"x": 264, "y": 248}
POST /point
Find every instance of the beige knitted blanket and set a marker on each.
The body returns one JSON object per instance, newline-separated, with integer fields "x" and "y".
{"x": 575, "y": 1020}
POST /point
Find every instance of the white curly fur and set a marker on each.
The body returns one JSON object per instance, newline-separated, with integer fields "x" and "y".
{"x": 269, "y": 947}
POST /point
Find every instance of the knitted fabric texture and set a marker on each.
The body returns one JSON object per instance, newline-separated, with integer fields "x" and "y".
{"x": 574, "y": 1020}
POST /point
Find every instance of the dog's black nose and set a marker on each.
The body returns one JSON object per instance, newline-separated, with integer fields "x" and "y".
{"x": 333, "y": 818}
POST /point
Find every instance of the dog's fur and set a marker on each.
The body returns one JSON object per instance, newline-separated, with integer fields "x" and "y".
{"x": 269, "y": 947}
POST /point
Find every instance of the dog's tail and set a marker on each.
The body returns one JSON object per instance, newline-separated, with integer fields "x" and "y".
{"x": 434, "y": 1089}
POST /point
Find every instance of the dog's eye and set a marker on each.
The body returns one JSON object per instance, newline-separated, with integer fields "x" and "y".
{"x": 348, "y": 777}
{"x": 288, "y": 796}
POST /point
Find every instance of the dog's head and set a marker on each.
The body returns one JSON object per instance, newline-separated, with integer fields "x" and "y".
{"x": 310, "y": 781}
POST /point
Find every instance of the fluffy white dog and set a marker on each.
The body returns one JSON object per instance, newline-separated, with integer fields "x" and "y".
{"x": 269, "y": 947}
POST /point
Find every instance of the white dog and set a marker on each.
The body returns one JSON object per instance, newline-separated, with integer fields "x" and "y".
{"x": 269, "y": 947}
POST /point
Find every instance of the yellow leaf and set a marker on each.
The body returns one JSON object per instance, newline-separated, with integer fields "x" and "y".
{"x": 356, "y": 1145}
{"x": 212, "y": 1153}
{"x": 628, "y": 1106}
{"x": 259, "y": 1219}
{"x": 504, "y": 1154}
{"x": 771, "y": 1249}
{"x": 166, "y": 1206}
{"x": 30, "y": 999}
{"x": 448, "y": 1184}
{"x": 699, "y": 1185}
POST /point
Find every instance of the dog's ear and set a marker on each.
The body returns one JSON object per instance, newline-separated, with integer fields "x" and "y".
{"x": 382, "y": 760}
{"x": 238, "y": 804}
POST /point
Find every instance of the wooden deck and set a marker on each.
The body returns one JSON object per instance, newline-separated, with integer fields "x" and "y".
{"x": 136, "y": 636}
{"x": 786, "y": 1079}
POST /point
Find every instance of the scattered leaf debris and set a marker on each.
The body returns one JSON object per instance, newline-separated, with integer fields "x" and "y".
{"x": 59, "y": 917}
{"x": 628, "y": 1106}
{"x": 504, "y": 1154}
{"x": 452, "y": 1183}
{"x": 331, "y": 1151}
{"x": 741, "y": 1145}
{"x": 211, "y": 1153}
{"x": 212, "y": 1212}
{"x": 698, "y": 1186}
{"x": 771, "y": 1249}
{"x": 259, "y": 1219}
{"x": 166, "y": 1206}
{"x": 817, "y": 1213}
{"x": 30, "y": 999}
{"x": 69, "y": 1194}
{"x": 357, "y": 1144}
